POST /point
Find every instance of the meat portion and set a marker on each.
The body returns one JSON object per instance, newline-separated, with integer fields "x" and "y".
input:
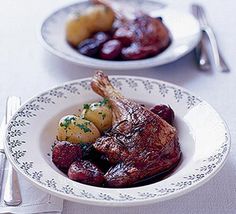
{"x": 145, "y": 36}
{"x": 140, "y": 143}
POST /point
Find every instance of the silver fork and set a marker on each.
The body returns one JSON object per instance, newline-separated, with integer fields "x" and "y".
{"x": 12, "y": 194}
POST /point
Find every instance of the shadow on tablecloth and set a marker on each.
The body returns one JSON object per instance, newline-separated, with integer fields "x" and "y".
{"x": 179, "y": 72}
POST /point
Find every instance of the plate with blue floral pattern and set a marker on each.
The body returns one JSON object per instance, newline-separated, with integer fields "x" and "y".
{"x": 184, "y": 29}
{"x": 203, "y": 135}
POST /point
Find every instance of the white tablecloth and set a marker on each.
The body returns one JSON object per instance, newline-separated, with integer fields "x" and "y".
{"x": 26, "y": 69}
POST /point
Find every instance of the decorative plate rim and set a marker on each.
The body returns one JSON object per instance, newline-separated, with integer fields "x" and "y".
{"x": 188, "y": 184}
{"x": 128, "y": 65}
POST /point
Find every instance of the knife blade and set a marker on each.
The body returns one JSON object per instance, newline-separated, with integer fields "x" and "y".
{"x": 218, "y": 59}
{"x": 202, "y": 55}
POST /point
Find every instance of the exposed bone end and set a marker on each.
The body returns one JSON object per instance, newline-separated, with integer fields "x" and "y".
{"x": 100, "y": 82}
{"x": 102, "y": 86}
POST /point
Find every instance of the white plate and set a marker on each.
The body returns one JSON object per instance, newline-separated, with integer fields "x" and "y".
{"x": 203, "y": 136}
{"x": 184, "y": 29}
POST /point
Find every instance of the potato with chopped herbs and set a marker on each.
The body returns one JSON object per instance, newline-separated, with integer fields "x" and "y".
{"x": 81, "y": 26}
{"x": 99, "y": 113}
{"x": 77, "y": 130}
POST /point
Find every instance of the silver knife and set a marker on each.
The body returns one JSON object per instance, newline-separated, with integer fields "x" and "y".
{"x": 12, "y": 195}
{"x": 219, "y": 61}
{"x": 202, "y": 55}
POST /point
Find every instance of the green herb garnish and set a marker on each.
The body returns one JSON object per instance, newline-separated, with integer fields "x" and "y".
{"x": 86, "y": 106}
{"x": 67, "y": 121}
{"x": 52, "y": 146}
{"x": 84, "y": 127}
{"x": 103, "y": 102}
{"x": 103, "y": 116}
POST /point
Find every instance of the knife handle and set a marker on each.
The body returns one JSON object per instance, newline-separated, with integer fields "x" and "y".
{"x": 12, "y": 194}
{"x": 201, "y": 54}
{"x": 2, "y": 167}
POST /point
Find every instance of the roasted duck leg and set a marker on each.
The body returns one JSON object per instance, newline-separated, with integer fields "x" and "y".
{"x": 143, "y": 36}
{"x": 140, "y": 144}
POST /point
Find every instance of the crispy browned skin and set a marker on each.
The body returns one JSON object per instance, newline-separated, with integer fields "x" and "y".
{"x": 140, "y": 143}
{"x": 149, "y": 37}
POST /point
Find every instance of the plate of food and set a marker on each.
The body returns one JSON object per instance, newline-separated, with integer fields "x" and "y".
{"x": 117, "y": 141}
{"x": 113, "y": 35}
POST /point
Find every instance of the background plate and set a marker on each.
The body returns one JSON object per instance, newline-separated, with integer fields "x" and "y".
{"x": 185, "y": 32}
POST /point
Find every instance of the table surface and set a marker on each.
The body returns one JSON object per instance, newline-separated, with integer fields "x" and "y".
{"x": 26, "y": 69}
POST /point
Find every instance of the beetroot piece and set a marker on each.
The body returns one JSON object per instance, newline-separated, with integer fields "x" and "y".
{"x": 134, "y": 52}
{"x": 86, "y": 172}
{"x": 111, "y": 49}
{"x": 64, "y": 154}
{"x": 124, "y": 35}
{"x": 101, "y": 38}
{"x": 165, "y": 112}
{"x": 89, "y": 47}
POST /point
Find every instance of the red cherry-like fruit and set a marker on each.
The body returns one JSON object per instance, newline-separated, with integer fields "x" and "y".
{"x": 64, "y": 154}
{"x": 86, "y": 172}
{"x": 165, "y": 112}
{"x": 111, "y": 49}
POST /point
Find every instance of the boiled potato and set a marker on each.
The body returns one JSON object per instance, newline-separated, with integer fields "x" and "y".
{"x": 76, "y": 30}
{"x": 100, "y": 18}
{"x": 100, "y": 114}
{"x": 82, "y": 26}
{"x": 77, "y": 130}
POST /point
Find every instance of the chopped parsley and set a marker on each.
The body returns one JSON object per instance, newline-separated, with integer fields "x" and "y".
{"x": 53, "y": 145}
{"x": 86, "y": 106}
{"x": 103, "y": 102}
{"x": 103, "y": 116}
{"x": 84, "y": 127}
{"x": 87, "y": 123}
{"x": 67, "y": 121}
